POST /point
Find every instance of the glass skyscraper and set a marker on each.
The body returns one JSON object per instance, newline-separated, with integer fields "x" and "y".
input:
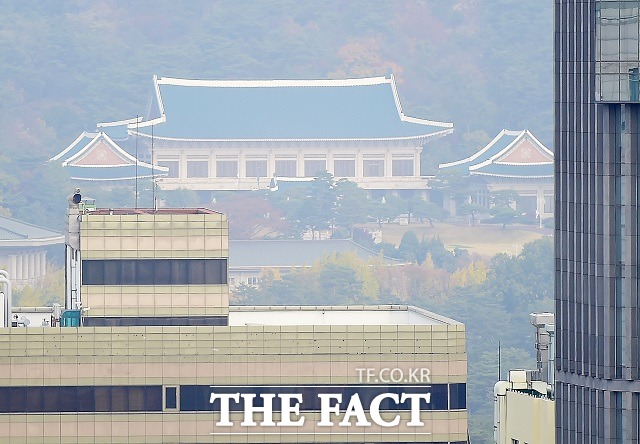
{"x": 597, "y": 119}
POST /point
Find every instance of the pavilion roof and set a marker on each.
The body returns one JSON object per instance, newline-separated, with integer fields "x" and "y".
{"x": 352, "y": 109}
{"x": 96, "y": 156}
{"x": 513, "y": 154}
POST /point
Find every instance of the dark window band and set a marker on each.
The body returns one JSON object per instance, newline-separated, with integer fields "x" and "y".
{"x": 74, "y": 399}
{"x": 154, "y": 272}
{"x": 149, "y": 321}
{"x": 195, "y": 398}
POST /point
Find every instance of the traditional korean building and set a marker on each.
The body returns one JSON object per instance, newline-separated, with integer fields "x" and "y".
{"x": 516, "y": 161}
{"x": 238, "y": 135}
{"x": 95, "y": 156}
{"x": 23, "y": 250}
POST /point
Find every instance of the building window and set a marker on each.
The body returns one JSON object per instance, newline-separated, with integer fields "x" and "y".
{"x": 197, "y": 168}
{"x": 373, "y": 167}
{"x": 256, "y": 168}
{"x": 173, "y": 165}
{"x": 171, "y": 397}
{"x": 344, "y": 168}
{"x": 617, "y": 52}
{"x": 402, "y": 167}
{"x": 253, "y": 280}
{"x": 314, "y": 167}
{"x": 226, "y": 168}
{"x": 286, "y": 168}
{"x": 154, "y": 272}
{"x": 153, "y": 321}
{"x": 548, "y": 204}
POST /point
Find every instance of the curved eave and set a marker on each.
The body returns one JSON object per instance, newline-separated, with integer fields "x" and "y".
{"x": 158, "y": 168}
{"x": 482, "y": 151}
{"x": 284, "y": 140}
{"x": 130, "y": 121}
{"x": 32, "y": 242}
{"x": 73, "y": 144}
{"x": 511, "y": 176}
{"x": 115, "y": 179}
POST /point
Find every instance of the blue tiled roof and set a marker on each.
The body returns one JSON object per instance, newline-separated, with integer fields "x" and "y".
{"x": 287, "y": 110}
{"x": 12, "y": 229}
{"x": 483, "y": 156}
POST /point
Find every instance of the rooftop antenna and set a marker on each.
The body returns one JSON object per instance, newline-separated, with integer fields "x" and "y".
{"x": 499, "y": 362}
{"x": 137, "y": 122}
{"x": 153, "y": 176}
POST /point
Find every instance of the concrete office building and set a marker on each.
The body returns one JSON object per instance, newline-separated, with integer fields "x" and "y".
{"x": 597, "y": 117}
{"x": 523, "y": 404}
{"x": 160, "y": 357}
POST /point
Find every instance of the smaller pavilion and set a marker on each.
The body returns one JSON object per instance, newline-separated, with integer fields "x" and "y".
{"x": 95, "y": 156}
{"x": 513, "y": 161}
{"x": 23, "y": 250}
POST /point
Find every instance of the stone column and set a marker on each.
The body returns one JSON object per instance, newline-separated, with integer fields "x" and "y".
{"x": 19, "y": 264}
{"x": 42, "y": 257}
{"x": 32, "y": 265}
{"x": 300, "y": 164}
{"x": 329, "y": 161}
{"x": 242, "y": 168}
{"x": 13, "y": 267}
{"x": 387, "y": 164}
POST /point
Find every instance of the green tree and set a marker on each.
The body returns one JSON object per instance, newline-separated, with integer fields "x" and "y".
{"x": 408, "y": 248}
{"x": 340, "y": 284}
{"x": 471, "y": 210}
{"x": 352, "y": 204}
{"x": 502, "y": 211}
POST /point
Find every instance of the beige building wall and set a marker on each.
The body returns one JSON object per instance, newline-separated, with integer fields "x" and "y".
{"x": 523, "y": 414}
{"x": 250, "y": 355}
{"x": 154, "y": 235}
{"x": 531, "y": 419}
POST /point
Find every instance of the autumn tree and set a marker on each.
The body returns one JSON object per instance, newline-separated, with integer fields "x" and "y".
{"x": 251, "y": 216}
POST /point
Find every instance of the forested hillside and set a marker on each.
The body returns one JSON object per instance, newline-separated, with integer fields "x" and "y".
{"x": 482, "y": 64}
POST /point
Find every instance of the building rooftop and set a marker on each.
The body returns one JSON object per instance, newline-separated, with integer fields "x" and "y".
{"x": 215, "y": 110}
{"x": 291, "y": 253}
{"x": 514, "y": 154}
{"x": 125, "y": 211}
{"x": 96, "y": 156}
{"x": 14, "y": 233}
{"x": 335, "y": 315}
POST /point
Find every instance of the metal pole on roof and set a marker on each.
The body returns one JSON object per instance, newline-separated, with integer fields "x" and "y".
{"x": 7, "y": 299}
{"x": 137, "y": 122}
{"x": 153, "y": 177}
